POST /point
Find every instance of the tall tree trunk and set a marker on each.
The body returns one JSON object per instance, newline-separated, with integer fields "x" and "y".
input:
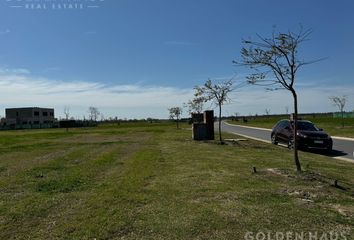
{"x": 220, "y": 123}
{"x": 342, "y": 118}
{"x": 296, "y": 156}
{"x": 177, "y": 123}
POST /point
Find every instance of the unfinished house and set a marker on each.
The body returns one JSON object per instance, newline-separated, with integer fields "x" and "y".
{"x": 32, "y": 117}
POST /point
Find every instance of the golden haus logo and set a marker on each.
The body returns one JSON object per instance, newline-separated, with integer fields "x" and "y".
{"x": 54, "y": 4}
{"x": 291, "y": 235}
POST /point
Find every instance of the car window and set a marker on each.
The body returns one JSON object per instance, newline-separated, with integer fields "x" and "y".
{"x": 306, "y": 126}
{"x": 285, "y": 124}
{"x": 280, "y": 124}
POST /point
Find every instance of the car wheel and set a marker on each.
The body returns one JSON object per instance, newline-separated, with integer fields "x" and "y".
{"x": 291, "y": 144}
{"x": 274, "y": 139}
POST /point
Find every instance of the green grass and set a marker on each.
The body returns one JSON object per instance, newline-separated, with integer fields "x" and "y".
{"x": 151, "y": 181}
{"x": 333, "y": 126}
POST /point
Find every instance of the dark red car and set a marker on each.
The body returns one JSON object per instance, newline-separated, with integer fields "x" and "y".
{"x": 308, "y": 135}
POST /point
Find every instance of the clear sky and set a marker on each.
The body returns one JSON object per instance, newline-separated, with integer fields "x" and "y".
{"x": 136, "y": 58}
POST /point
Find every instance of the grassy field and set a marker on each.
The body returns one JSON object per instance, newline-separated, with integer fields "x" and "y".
{"x": 333, "y": 126}
{"x": 151, "y": 181}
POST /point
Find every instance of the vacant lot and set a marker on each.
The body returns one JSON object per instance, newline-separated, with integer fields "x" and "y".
{"x": 333, "y": 126}
{"x": 151, "y": 181}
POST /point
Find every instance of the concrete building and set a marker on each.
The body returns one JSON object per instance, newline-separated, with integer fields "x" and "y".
{"x": 32, "y": 117}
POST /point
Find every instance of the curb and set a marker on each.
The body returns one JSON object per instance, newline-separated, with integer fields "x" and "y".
{"x": 265, "y": 129}
{"x": 343, "y": 138}
{"x": 253, "y": 138}
{"x": 344, "y": 159}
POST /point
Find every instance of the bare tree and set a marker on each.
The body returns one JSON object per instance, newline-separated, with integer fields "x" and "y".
{"x": 267, "y": 111}
{"x": 93, "y": 113}
{"x": 340, "y": 103}
{"x": 67, "y": 115}
{"x": 67, "y": 112}
{"x": 276, "y": 56}
{"x": 236, "y": 114}
{"x": 218, "y": 93}
{"x": 175, "y": 113}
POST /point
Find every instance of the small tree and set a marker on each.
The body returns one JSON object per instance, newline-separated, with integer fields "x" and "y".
{"x": 340, "y": 103}
{"x": 267, "y": 111}
{"x": 218, "y": 93}
{"x": 236, "y": 114}
{"x": 175, "y": 113}
{"x": 149, "y": 119}
{"x": 276, "y": 56}
{"x": 67, "y": 112}
{"x": 67, "y": 115}
{"x": 195, "y": 105}
{"x": 93, "y": 113}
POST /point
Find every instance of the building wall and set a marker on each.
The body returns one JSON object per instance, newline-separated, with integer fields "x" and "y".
{"x": 29, "y": 116}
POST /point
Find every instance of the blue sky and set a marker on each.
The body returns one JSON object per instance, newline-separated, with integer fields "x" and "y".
{"x": 136, "y": 58}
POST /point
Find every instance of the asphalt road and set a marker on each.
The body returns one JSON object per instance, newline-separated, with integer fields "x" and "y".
{"x": 341, "y": 148}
